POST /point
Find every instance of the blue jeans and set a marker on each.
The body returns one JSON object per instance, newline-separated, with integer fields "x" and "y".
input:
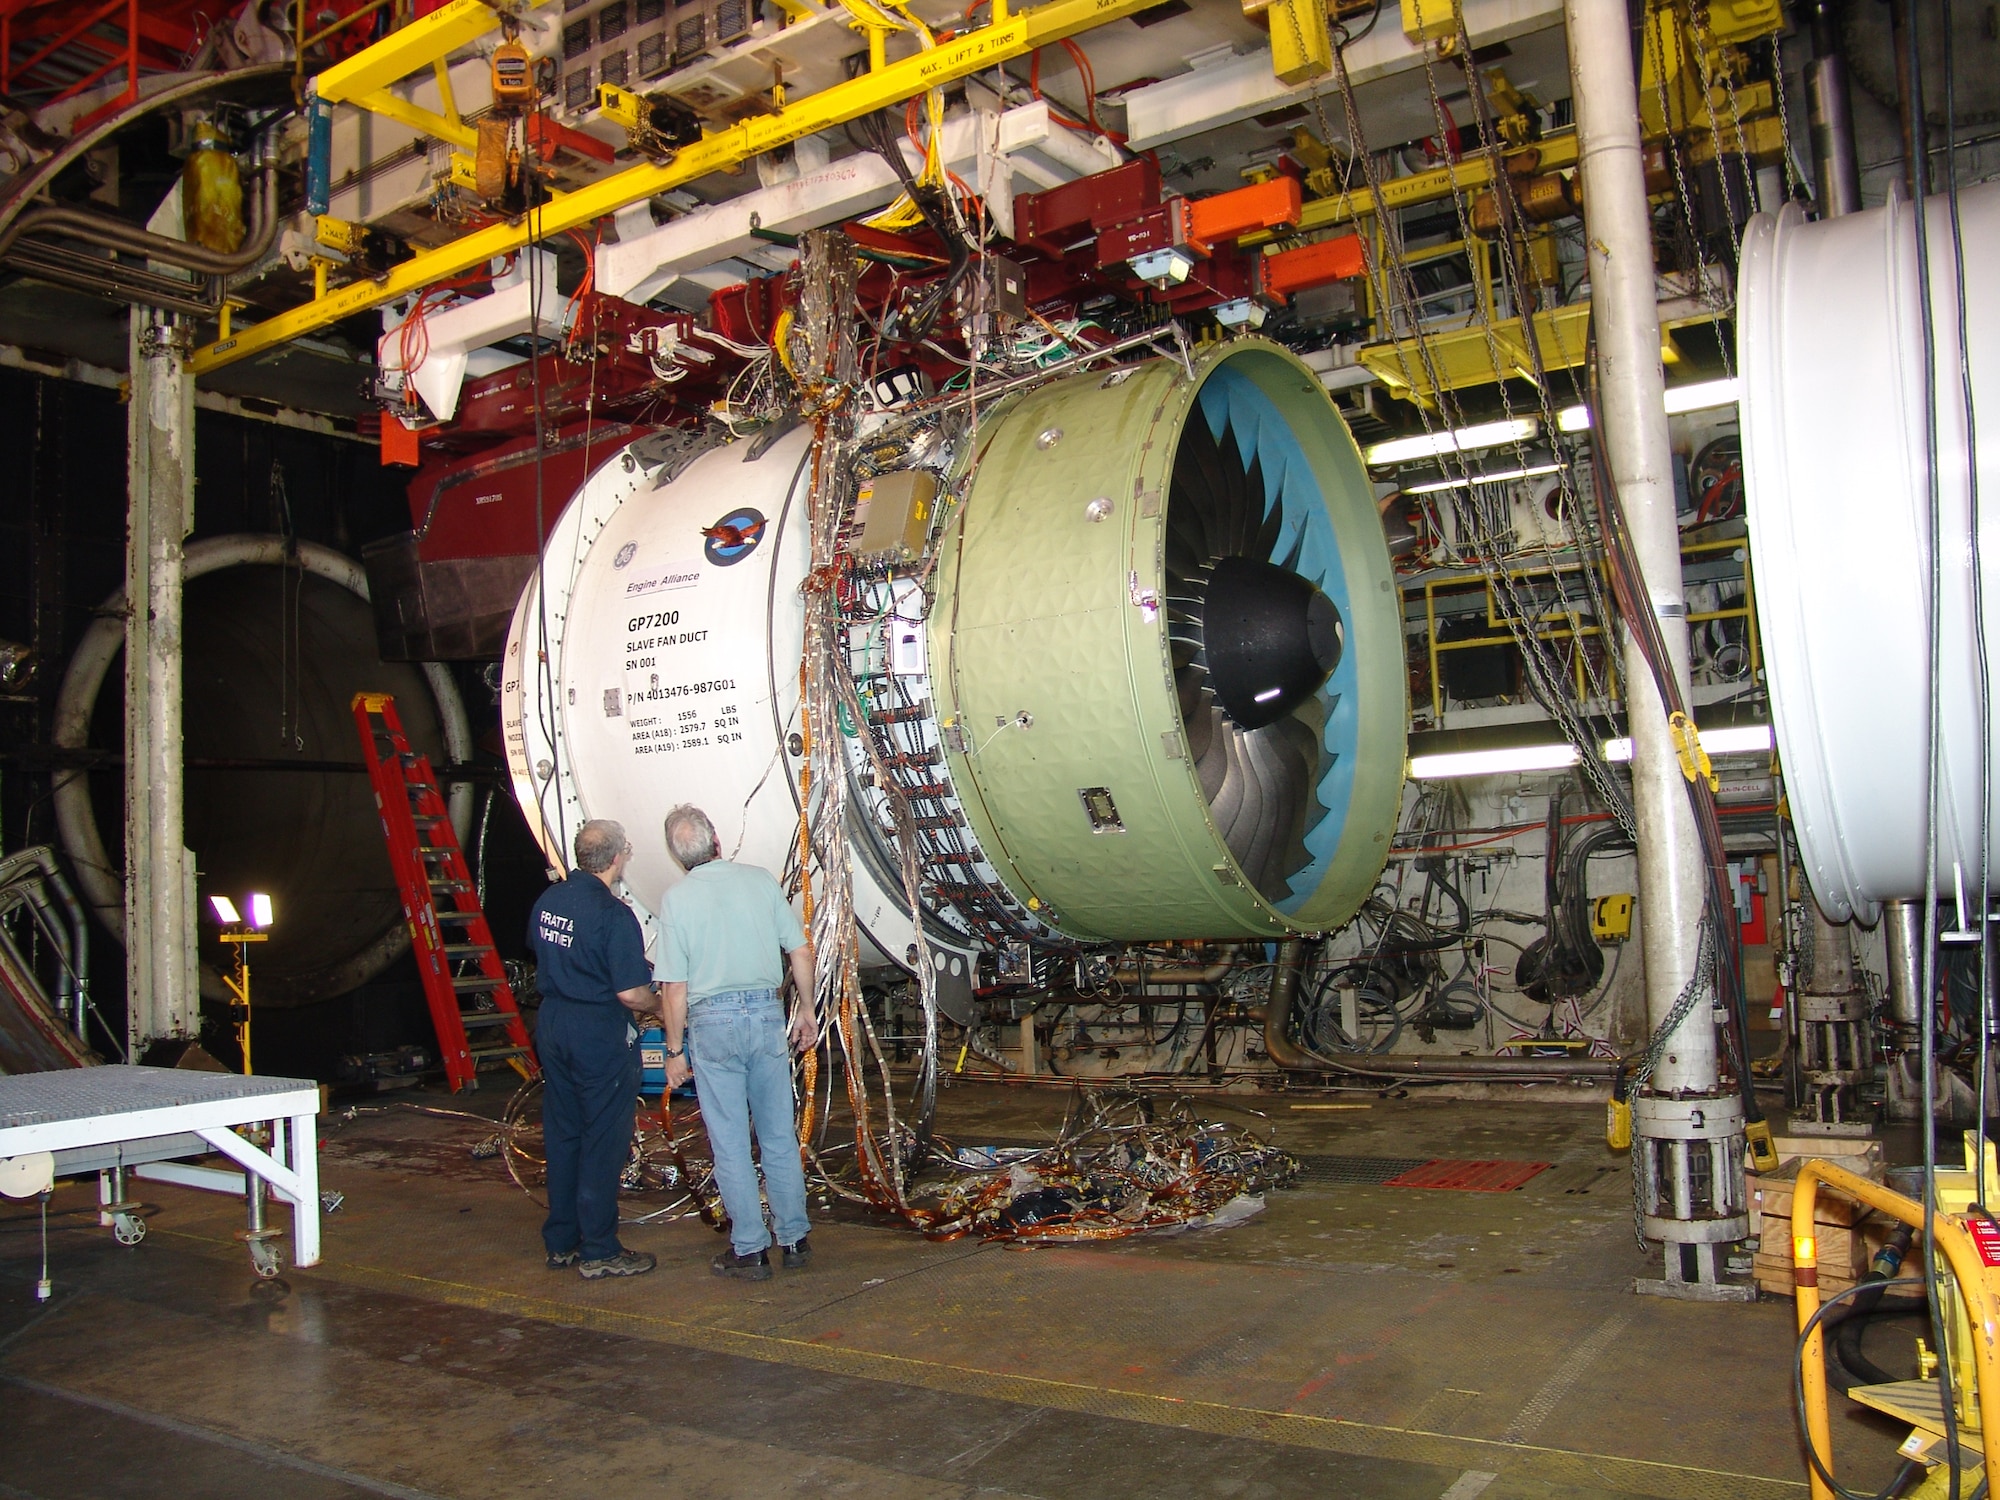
{"x": 590, "y": 1076}
{"x": 743, "y": 1072}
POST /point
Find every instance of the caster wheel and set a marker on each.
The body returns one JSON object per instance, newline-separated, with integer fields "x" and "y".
{"x": 128, "y": 1229}
{"x": 264, "y": 1259}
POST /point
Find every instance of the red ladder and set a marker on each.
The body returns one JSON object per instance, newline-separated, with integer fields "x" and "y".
{"x": 464, "y": 980}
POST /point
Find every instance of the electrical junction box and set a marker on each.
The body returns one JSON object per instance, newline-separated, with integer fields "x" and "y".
{"x": 1611, "y": 918}
{"x": 895, "y": 511}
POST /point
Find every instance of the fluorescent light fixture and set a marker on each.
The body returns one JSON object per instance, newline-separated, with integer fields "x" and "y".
{"x": 1268, "y": 694}
{"x": 1709, "y": 393}
{"x": 1682, "y": 398}
{"x": 225, "y": 910}
{"x": 260, "y": 910}
{"x": 1499, "y": 477}
{"x": 1492, "y": 762}
{"x": 1463, "y": 440}
{"x": 1730, "y": 739}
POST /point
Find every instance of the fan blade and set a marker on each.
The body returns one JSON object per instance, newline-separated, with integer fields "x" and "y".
{"x": 1187, "y": 529}
{"x": 1227, "y": 802}
{"x": 1189, "y": 689}
{"x": 1246, "y": 817}
{"x": 1297, "y": 747}
{"x": 1208, "y": 735}
{"x": 1277, "y": 801}
{"x": 1243, "y": 506}
{"x": 1210, "y": 480}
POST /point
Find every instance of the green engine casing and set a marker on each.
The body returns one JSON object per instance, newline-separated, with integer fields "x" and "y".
{"x": 1044, "y": 612}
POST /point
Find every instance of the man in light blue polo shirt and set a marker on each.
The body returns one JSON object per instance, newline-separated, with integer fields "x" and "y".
{"x": 730, "y": 935}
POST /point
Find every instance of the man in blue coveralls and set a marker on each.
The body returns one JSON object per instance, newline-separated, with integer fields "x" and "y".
{"x": 720, "y": 971}
{"x": 591, "y": 968}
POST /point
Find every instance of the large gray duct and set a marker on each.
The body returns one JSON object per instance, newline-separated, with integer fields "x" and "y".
{"x": 312, "y": 840}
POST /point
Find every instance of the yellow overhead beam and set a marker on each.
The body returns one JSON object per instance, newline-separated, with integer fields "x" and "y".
{"x": 423, "y": 121}
{"x": 408, "y": 49}
{"x": 886, "y": 86}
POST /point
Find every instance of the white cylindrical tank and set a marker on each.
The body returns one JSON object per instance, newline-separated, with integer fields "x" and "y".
{"x": 1836, "y": 470}
{"x": 654, "y": 660}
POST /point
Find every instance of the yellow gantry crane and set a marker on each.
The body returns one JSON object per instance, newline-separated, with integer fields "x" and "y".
{"x": 366, "y": 80}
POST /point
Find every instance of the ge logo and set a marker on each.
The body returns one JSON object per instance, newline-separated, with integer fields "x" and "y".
{"x": 625, "y": 554}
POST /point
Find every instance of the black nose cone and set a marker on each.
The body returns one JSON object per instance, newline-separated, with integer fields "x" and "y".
{"x": 1271, "y": 639}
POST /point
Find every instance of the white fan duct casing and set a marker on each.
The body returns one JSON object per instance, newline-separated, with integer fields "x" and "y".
{"x": 652, "y": 661}
{"x": 1837, "y": 473}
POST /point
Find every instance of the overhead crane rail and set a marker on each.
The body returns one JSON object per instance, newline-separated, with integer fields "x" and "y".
{"x": 369, "y": 73}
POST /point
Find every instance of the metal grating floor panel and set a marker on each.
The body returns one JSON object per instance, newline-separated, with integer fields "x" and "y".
{"x": 1357, "y": 1171}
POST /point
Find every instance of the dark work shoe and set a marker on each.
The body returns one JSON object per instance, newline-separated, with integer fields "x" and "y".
{"x": 624, "y": 1263}
{"x": 744, "y": 1267}
{"x": 564, "y": 1260}
{"x": 798, "y": 1256}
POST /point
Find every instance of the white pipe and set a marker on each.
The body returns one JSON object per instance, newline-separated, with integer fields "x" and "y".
{"x": 159, "y": 896}
{"x": 1633, "y": 427}
{"x": 76, "y": 817}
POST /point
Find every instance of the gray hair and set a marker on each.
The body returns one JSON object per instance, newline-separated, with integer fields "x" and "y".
{"x": 690, "y": 836}
{"x": 598, "y": 844}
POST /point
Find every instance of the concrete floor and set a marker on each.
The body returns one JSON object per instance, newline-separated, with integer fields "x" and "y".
{"x": 1351, "y": 1341}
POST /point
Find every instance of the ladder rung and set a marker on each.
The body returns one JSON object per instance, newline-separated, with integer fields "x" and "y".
{"x": 467, "y": 984}
{"x": 495, "y": 1054}
{"x": 429, "y": 820}
{"x": 448, "y": 914}
{"x": 452, "y": 885}
{"x": 486, "y": 1018}
{"x": 465, "y": 950}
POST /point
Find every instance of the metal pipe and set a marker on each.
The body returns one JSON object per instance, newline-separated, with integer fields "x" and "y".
{"x": 163, "y": 1000}
{"x": 1903, "y": 933}
{"x": 1632, "y": 423}
{"x": 1278, "y": 1045}
{"x": 113, "y": 278}
{"x": 116, "y": 234}
{"x": 1836, "y": 170}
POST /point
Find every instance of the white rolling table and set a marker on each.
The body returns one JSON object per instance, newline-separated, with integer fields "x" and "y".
{"x": 96, "y": 1119}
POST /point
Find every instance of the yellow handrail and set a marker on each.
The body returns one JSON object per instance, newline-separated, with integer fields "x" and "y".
{"x": 1951, "y": 1240}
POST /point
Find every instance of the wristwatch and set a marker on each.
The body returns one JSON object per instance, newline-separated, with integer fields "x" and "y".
{"x": 680, "y": 1051}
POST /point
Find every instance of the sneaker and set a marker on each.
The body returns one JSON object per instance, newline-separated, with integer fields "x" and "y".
{"x": 624, "y": 1263}
{"x": 564, "y": 1260}
{"x": 744, "y": 1267}
{"x": 796, "y": 1256}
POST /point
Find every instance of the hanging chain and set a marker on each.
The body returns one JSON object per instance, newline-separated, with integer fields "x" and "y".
{"x": 1390, "y": 277}
{"x": 1792, "y": 180}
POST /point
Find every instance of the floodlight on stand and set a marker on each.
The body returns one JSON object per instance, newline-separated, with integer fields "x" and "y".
{"x": 225, "y": 911}
{"x": 260, "y": 910}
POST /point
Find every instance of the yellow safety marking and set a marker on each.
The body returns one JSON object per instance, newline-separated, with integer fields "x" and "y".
{"x": 407, "y": 49}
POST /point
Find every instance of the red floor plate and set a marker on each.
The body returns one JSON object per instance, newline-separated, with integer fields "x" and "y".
{"x": 1470, "y": 1176}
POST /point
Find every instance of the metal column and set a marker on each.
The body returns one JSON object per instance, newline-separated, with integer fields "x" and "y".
{"x": 162, "y": 998}
{"x": 1836, "y": 172}
{"x": 1688, "y": 1131}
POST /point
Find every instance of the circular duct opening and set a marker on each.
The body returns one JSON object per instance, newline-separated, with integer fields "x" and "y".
{"x": 274, "y": 654}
